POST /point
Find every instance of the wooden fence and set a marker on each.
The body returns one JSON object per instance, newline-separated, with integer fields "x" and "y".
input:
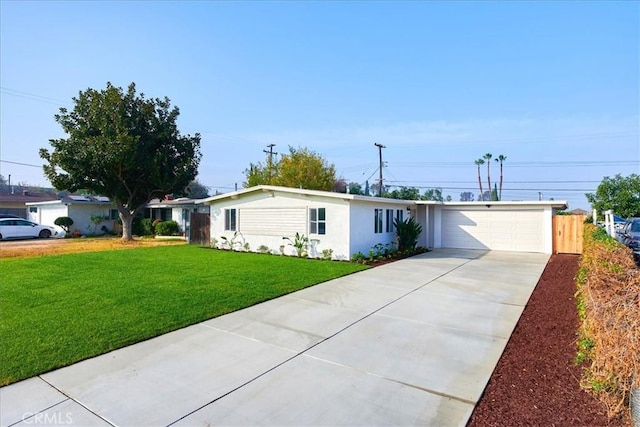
{"x": 199, "y": 231}
{"x": 567, "y": 234}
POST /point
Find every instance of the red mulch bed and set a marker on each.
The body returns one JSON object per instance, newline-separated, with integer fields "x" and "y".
{"x": 535, "y": 381}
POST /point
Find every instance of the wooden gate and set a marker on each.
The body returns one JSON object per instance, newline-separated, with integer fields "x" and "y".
{"x": 199, "y": 229}
{"x": 567, "y": 234}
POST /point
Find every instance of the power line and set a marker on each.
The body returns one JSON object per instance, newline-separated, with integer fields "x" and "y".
{"x": 511, "y": 182}
{"x": 32, "y": 96}
{"x": 575, "y": 163}
{"x": 21, "y": 164}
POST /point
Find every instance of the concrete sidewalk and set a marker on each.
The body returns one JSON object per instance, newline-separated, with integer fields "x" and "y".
{"x": 413, "y": 342}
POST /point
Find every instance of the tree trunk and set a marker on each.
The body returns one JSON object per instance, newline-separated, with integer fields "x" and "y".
{"x": 489, "y": 179}
{"x": 127, "y": 222}
{"x": 480, "y": 184}
{"x": 500, "y": 181}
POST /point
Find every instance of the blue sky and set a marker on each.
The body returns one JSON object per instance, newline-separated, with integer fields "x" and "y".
{"x": 554, "y": 86}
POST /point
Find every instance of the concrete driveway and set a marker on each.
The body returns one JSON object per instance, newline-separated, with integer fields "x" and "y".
{"x": 409, "y": 343}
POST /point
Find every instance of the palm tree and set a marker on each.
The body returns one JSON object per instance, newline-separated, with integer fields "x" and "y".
{"x": 500, "y": 159}
{"x": 478, "y": 163}
{"x": 487, "y": 157}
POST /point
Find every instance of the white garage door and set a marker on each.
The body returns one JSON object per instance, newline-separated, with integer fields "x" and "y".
{"x": 521, "y": 231}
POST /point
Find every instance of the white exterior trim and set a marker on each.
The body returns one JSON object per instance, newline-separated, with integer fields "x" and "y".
{"x": 350, "y": 223}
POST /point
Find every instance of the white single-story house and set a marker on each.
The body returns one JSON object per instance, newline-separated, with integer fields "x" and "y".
{"x": 80, "y": 208}
{"x": 178, "y": 210}
{"x": 348, "y": 223}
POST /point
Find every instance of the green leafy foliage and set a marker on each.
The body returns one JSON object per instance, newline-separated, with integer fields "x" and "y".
{"x": 124, "y": 146}
{"x": 355, "y": 188}
{"x": 407, "y": 233}
{"x": 358, "y": 257}
{"x": 167, "y": 228}
{"x": 433, "y": 194}
{"x": 300, "y": 242}
{"x": 230, "y": 243}
{"x": 620, "y": 194}
{"x": 195, "y": 190}
{"x": 300, "y": 168}
{"x": 404, "y": 193}
{"x": 64, "y": 221}
{"x": 145, "y": 227}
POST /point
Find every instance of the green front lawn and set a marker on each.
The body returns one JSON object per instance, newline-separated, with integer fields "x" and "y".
{"x": 57, "y": 310}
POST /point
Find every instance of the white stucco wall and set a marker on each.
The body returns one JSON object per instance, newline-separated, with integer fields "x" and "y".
{"x": 363, "y": 236}
{"x": 80, "y": 214}
{"x": 179, "y": 216}
{"x": 46, "y": 214}
{"x": 277, "y": 208}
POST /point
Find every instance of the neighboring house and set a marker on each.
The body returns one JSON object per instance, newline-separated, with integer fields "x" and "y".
{"x": 347, "y": 223}
{"x": 80, "y": 208}
{"x": 15, "y": 204}
{"x": 579, "y": 211}
{"x": 178, "y": 210}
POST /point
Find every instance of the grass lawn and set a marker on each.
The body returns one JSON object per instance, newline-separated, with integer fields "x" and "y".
{"x": 57, "y": 310}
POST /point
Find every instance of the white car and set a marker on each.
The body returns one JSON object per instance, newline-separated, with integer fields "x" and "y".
{"x": 17, "y": 228}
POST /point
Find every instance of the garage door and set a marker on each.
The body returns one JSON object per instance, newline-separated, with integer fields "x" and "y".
{"x": 521, "y": 231}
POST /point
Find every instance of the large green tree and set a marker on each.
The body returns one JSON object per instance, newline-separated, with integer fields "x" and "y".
{"x": 433, "y": 194}
{"x": 123, "y": 146}
{"x": 620, "y": 194}
{"x": 300, "y": 168}
{"x": 405, "y": 193}
{"x": 196, "y": 190}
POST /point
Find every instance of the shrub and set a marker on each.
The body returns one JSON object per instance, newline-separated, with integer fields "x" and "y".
{"x": 358, "y": 257}
{"x": 407, "y": 232}
{"x": 167, "y": 228}
{"x": 607, "y": 298}
{"x": 300, "y": 243}
{"x": 65, "y": 222}
{"x": 327, "y": 254}
{"x": 145, "y": 227}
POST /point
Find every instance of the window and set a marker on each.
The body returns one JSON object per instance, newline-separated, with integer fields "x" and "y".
{"x": 230, "y": 220}
{"x": 399, "y": 215}
{"x": 389, "y": 228}
{"x": 113, "y": 214}
{"x": 377, "y": 220}
{"x": 33, "y": 209}
{"x": 317, "y": 221}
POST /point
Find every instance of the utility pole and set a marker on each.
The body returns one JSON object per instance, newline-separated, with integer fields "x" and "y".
{"x": 380, "y": 147}
{"x": 270, "y": 161}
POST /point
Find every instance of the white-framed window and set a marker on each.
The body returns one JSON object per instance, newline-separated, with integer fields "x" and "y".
{"x": 377, "y": 220}
{"x": 317, "y": 221}
{"x": 230, "y": 223}
{"x": 113, "y": 214}
{"x": 400, "y": 215}
{"x": 33, "y": 209}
